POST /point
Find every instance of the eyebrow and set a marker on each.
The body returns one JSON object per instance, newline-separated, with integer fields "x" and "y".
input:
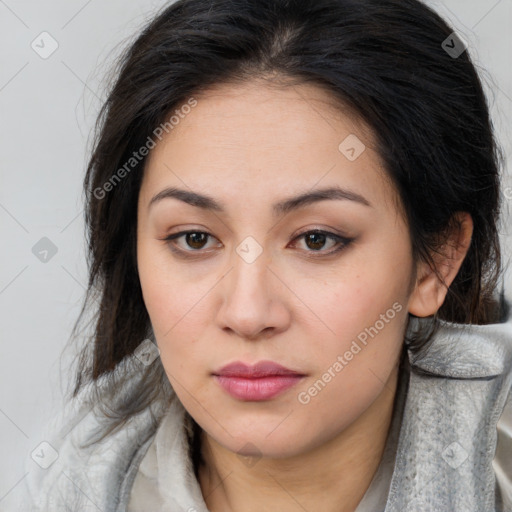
{"x": 206, "y": 202}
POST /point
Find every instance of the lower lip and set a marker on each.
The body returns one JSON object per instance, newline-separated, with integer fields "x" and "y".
{"x": 257, "y": 389}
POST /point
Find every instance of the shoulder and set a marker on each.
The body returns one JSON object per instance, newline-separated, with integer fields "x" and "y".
{"x": 60, "y": 452}
{"x": 459, "y": 405}
{"x": 502, "y": 462}
{"x": 71, "y": 471}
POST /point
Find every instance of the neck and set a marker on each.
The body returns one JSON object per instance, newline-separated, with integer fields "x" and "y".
{"x": 332, "y": 477}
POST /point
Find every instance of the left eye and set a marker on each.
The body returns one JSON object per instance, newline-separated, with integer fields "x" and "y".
{"x": 318, "y": 238}
{"x": 315, "y": 240}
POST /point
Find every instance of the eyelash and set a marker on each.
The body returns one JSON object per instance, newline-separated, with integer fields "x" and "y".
{"x": 342, "y": 242}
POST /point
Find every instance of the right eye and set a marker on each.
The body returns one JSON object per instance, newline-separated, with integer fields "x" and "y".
{"x": 194, "y": 239}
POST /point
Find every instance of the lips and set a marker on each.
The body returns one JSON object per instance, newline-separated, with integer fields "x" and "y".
{"x": 262, "y": 381}
{"x": 260, "y": 369}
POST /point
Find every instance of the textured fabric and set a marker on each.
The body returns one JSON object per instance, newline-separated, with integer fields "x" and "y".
{"x": 458, "y": 391}
{"x": 454, "y": 444}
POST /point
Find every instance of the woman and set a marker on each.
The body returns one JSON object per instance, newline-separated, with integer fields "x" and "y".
{"x": 292, "y": 212}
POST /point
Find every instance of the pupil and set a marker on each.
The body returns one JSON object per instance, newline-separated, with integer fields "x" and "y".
{"x": 194, "y": 237}
{"x": 318, "y": 243}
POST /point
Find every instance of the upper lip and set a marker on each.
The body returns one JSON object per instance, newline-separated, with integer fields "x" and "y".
{"x": 260, "y": 369}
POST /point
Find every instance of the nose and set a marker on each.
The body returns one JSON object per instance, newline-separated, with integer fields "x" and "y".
{"x": 254, "y": 299}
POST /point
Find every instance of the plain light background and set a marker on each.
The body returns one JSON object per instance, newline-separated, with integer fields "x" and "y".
{"x": 47, "y": 110}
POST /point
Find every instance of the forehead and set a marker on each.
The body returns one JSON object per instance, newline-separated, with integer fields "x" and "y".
{"x": 262, "y": 140}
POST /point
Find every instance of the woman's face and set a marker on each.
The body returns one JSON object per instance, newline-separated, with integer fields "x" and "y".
{"x": 252, "y": 283}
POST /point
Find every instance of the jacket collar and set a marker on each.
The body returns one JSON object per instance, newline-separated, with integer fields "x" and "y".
{"x": 466, "y": 351}
{"x": 457, "y": 391}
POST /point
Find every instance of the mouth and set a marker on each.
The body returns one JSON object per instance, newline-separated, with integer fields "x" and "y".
{"x": 262, "y": 381}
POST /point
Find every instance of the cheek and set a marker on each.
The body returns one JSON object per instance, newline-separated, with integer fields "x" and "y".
{"x": 163, "y": 288}
{"x": 360, "y": 295}
{"x": 364, "y": 307}
{"x": 352, "y": 367}
{"x": 174, "y": 306}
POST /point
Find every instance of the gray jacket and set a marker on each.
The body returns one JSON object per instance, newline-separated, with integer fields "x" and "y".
{"x": 450, "y": 456}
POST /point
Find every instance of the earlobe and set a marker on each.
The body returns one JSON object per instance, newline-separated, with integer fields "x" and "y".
{"x": 431, "y": 288}
{"x": 428, "y": 294}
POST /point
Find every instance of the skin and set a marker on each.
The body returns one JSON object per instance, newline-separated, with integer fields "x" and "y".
{"x": 249, "y": 146}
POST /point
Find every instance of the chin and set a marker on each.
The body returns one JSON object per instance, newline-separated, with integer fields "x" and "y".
{"x": 256, "y": 442}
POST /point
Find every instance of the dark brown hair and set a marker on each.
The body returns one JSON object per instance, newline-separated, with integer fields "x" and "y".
{"x": 384, "y": 59}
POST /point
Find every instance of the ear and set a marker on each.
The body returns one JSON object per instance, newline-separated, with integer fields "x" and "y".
{"x": 430, "y": 291}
